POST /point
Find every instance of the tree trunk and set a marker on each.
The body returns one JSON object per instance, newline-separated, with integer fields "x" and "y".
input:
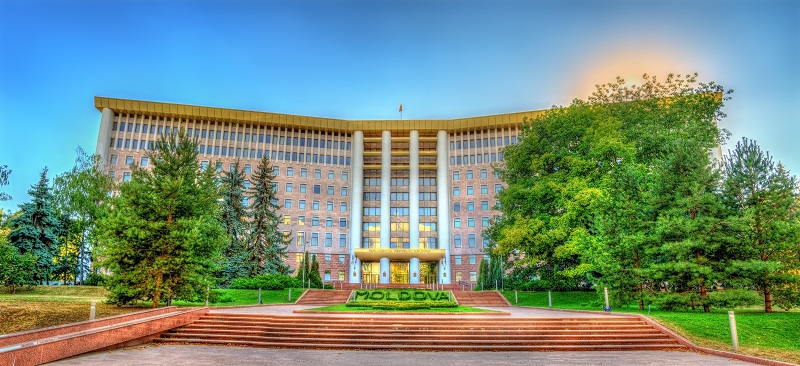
{"x": 639, "y": 285}
{"x": 157, "y": 292}
{"x": 767, "y": 299}
{"x": 703, "y": 292}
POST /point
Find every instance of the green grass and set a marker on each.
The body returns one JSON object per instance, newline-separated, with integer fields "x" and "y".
{"x": 773, "y": 336}
{"x": 57, "y": 294}
{"x": 355, "y": 309}
{"x": 235, "y": 297}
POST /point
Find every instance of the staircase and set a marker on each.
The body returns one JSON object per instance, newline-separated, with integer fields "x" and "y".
{"x": 423, "y": 333}
{"x": 480, "y": 298}
{"x": 323, "y": 297}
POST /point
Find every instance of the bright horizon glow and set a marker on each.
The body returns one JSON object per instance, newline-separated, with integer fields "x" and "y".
{"x": 359, "y": 59}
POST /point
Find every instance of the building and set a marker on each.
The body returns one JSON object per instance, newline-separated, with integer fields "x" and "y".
{"x": 387, "y": 201}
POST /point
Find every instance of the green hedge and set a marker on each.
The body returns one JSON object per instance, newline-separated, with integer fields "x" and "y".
{"x": 266, "y": 282}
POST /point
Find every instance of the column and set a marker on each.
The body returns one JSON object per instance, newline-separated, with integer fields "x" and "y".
{"x": 443, "y": 202}
{"x": 104, "y": 137}
{"x": 386, "y": 202}
{"x": 413, "y": 205}
{"x": 356, "y": 203}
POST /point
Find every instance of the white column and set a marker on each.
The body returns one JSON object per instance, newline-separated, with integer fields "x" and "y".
{"x": 386, "y": 202}
{"x": 413, "y": 204}
{"x": 356, "y": 203}
{"x": 443, "y": 202}
{"x": 104, "y": 137}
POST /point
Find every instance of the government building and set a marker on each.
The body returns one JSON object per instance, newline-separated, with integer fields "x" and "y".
{"x": 376, "y": 201}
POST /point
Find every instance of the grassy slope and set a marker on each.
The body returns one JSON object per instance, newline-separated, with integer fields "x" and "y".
{"x": 772, "y": 336}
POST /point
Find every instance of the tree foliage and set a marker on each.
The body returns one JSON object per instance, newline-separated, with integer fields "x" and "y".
{"x": 234, "y": 215}
{"x": 16, "y": 269}
{"x": 163, "y": 237}
{"x": 764, "y": 198}
{"x": 4, "y": 173}
{"x": 36, "y": 229}
{"x": 267, "y": 246}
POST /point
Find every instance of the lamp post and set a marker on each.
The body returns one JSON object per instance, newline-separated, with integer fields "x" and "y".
{"x": 304, "y": 261}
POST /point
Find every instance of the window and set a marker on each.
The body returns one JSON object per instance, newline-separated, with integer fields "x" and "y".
{"x": 472, "y": 259}
{"x": 484, "y": 173}
{"x": 471, "y": 222}
{"x": 473, "y": 276}
{"x": 457, "y": 206}
{"x": 287, "y": 203}
{"x": 301, "y": 204}
{"x": 289, "y": 187}
{"x": 317, "y": 188}
{"x": 328, "y": 261}
{"x": 330, "y": 191}
{"x": 304, "y": 172}
{"x": 457, "y": 222}
{"x": 114, "y": 159}
{"x": 484, "y": 221}
{"x": 289, "y": 171}
{"x": 344, "y": 191}
{"x": 128, "y": 159}
{"x": 471, "y": 240}
{"x": 457, "y": 259}
{"x": 276, "y": 171}
{"x": 345, "y": 176}
{"x": 329, "y": 206}
{"x": 343, "y": 206}
{"x": 469, "y": 174}
{"x": 328, "y": 222}
{"x": 331, "y": 175}
{"x": 456, "y": 191}
{"x": 315, "y": 205}
{"x": 458, "y": 277}
{"x": 457, "y": 240}
{"x": 314, "y": 239}
{"x": 298, "y": 257}
{"x": 470, "y": 190}
{"x": 342, "y": 244}
{"x": 315, "y": 221}
{"x": 126, "y": 176}
{"x": 455, "y": 175}
{"x": 485, "y": 243}
{"x": 144, "y": 161}
{"x": 328, "y": 273}
{"x": 287, "y": 220}
{"x": 470, "y": 206}
{"x": 302, "y": 188}
{"x": 249, "y": 169}
{"x": 246, "y": 184}
{"x": 301, "y": 220}
{"x": 317, "y": 173}
{"x": 497, "y": 188}
{"x": 342, "y": 222}
{"x": 328, "y": 243}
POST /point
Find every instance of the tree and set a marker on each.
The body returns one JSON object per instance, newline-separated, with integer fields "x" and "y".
{"x": 234, "y": 219}
{"x": 81, "y": 199}
{"x": 304, "y": 270}
{"x": 15, "y": 269}
{"x": 267, "y": 245}
{"x": 4, "y": 173}
{"x": 36, "y": 229}
{"x": 764, "y": 196}
{"x": 315, "y": 281}
{"x": 163, "y": 237}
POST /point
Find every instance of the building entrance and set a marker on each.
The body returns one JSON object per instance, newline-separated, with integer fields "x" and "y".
{"x": 399, "y": 272}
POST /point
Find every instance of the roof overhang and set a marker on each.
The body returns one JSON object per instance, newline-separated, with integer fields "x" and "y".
{"x": 375, "y": 254}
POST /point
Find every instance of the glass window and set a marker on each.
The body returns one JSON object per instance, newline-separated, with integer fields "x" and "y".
{"x": 497, "y": 188}
{"x": 331, "y": 175}
{"x": 246, "y": 184}
{"x": 342, "y": 222}
{"x": 342, "y": 244}
{"x": 343, "y": 206}
{"x": 457, "y": 259}
{"x": 345, "y": 176}
{"x": 472, "y": 259}
{"x": 485, "y": 221}
{"x": 317, "y": 189}
{"x": 470, "y": 190}
{"x": 328, "y": 243}
{"x": 314, "y": 239}
{"x": 302, "y": 188}
{"x": 473, "y": 276}
{"x": 248, "y": 169}
{"x": 287, "y": 220}
{"x": 287, "y": 203}
{"x": 328, "y": 222}
{"x": 469, "y": 174}
{"x": 276, "y": 171}
{"x": 484, "y": 173}
{"x": 471, "y": 240}
{"x": 344, "y": 191}
{"x": 329, "y": 206}
{"x": 330, "y": 190}
{"x": 315, "y": 205}
{"x": 315, "y": 221}
{"x": 126, "y": 176}
{"x": 457, "y": 222}
{"x": 128, "y": 159}
{"x": 304, "y": 172}
{"x": 470, "y": 206}
{"x": 455, "y": 175}
{"x": 301, "y": 204}
{"x": 289, "y": 187}
{"x": 289, "y": 171}
{"x": 457, "y": 240}
{"x": 456, "y": 206}
{"x": 114, "y": 159}
{"x": 456, "y": 191}
{"x": 301, "y": 220}
{"x": 471, "y": 222}
{"x": 317, "y": 173}
{"x": 484, "y": 189}
{"x": 144, "y": 161}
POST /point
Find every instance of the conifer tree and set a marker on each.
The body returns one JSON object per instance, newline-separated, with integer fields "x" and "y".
{"x": 765, "y": 199}
{"x": 267, "y": 245}
{"x": 313, "y": 275}
{"x": 234, "y": 219}
{"x": 36, "y": 229}
{"x": 163, "y": 237}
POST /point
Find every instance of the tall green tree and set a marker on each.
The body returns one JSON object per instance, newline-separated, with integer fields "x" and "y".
{"x": 36, "y": 228}
{"x": 234, "y": 219}
{"x": 163, "y": 237}
{"x": 267, "y": 245}
{"x": 764, "y": 196}
{"x": 81, "y": 199}
{"x": 314, "y": 278}
{"x": 16, "y": 269}
{"x": 304, "y": 270}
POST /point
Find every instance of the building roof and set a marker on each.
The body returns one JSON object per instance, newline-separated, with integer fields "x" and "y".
{"x": 192, "y": 112}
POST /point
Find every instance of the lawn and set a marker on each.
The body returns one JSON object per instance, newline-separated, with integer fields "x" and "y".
{"x": 773, "y": 336}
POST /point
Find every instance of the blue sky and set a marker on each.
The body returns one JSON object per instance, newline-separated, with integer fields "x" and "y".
{"x": 361, "y": 59}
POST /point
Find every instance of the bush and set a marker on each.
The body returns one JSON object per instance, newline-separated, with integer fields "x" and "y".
{"x": 95, "y": 279}
{"x": 733, "y": 298}
{"x": 672, "y": 301}
{"x": 266, "y": 282}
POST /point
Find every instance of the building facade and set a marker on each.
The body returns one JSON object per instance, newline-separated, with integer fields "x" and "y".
{"x": 376, "y": 201}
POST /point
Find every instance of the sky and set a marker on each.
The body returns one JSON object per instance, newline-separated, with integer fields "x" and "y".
{"x": 441, "y": 59}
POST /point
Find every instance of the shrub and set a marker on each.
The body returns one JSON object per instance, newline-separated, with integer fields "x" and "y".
{"x": 266, "y": 282}
{"x": 733, "y": 298}
{"x": 95, "y": 279}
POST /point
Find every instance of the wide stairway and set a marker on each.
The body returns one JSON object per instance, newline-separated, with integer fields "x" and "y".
{"x": 480, "y": 298}
{"x": 423, "y": 333}
{"x": 323, "y": 297}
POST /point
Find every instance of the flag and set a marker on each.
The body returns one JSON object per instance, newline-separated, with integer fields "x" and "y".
{"x": 401, "y": 108}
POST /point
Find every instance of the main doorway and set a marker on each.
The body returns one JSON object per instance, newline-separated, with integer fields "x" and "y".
{"x": 399, "y": 272}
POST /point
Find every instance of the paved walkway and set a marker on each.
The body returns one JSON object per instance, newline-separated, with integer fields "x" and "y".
{"x": 220, "y": 355}
{"x": 177, "y": 355}
{"x": 509, "y": 310}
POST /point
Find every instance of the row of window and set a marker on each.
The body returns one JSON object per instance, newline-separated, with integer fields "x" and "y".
{"x": 233, "y": 136}
{"x": 315, "y": 221}
{"x": 471, "y": 189}
{"x": 424, "y": 243}
{"x": 315, "y": 205}
{"x": 484, "y": 173}
{"x": 471, "y": 241}
{"x": 398, "y": 226}
{"x": 476, "y": 159}
{"x": 471, "y": 222}
{"x": 484, "y": 142}
{"x": 315, "y": 239}
{"x": 470, "y": 206}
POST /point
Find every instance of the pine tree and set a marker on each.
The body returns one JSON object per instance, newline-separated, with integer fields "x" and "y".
{"x": 234, "y": 219}
{"x": 163, "y": 237}
{"x": 313, "y": 275}
{"x": 765, "y": 198}
{"x": 267, "y": 245}
{"x": 304, "y": 270}
{"x": 36, "y": 229}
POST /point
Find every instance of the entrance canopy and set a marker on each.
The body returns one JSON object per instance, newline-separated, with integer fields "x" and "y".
{"x": 375, "y": 254}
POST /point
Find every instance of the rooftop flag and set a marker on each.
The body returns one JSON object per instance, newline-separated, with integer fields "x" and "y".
{"x": 401, "y": 108}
